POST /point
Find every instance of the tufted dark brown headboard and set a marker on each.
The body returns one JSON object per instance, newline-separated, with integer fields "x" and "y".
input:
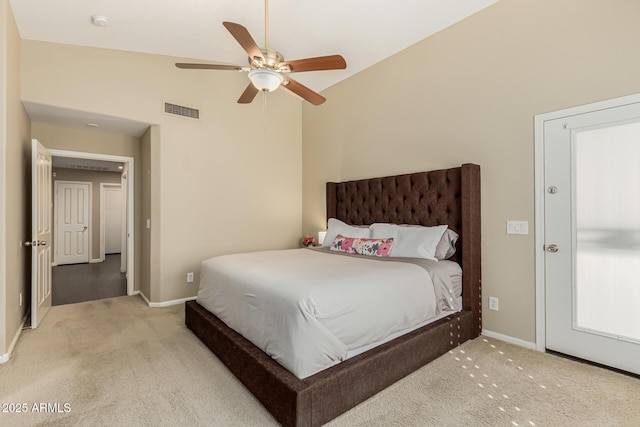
{"x": 448, "y": 196}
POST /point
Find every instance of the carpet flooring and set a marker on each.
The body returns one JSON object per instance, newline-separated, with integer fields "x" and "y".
{"x": 117, "y": 362}
{"x": 75, "y": 283}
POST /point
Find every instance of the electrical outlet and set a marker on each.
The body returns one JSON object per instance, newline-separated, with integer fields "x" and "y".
{"x": 493, "y": 303}
{"x": 190, "y": 277}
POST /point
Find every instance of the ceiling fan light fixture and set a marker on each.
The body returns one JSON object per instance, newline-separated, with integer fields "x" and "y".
{"x": 265, "y": 80}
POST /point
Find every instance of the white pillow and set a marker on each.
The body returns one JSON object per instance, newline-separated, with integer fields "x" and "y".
{"x": 335, "y": 227}
{"x": 447, "y": 245}
{"x": 410, "y": 241}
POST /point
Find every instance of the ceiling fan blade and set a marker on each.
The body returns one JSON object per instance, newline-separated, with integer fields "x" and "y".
{"x": 331, "y": 62}
{"x": 242, "y": 36}
{"x": 303, "y": 91}
{"x": 208, "y": 66}
{"x": 248, "y": 95}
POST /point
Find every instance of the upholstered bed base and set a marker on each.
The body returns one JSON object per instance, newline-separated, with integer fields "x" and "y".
{"x": 318, "y": 399}
{"x": 449, "y": 197}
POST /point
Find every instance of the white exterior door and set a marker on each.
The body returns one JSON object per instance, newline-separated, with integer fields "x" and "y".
{"x": 72, "y": 222}
{"x": 40, "y": 233}
{"x": 592, "y": 236}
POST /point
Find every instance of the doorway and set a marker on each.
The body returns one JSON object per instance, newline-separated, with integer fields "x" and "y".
{"x": 588, "y": 232}
{"x": 82, "y": 271}
{"x": 113, "y": 262}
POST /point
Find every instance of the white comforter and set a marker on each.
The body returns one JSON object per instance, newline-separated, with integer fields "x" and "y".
{"x": 307, "y": 308}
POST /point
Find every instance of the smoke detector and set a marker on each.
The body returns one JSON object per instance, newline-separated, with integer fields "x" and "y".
{"x": 99, "y": 20}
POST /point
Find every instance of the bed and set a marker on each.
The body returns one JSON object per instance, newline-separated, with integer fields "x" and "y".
{"x": 450, "y": 197}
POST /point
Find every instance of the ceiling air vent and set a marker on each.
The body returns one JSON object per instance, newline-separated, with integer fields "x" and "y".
{"x": 87, "y": 167}
{"x": 181, "y": 110}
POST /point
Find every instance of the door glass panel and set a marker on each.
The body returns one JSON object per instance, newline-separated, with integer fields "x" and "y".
{"x": 606, "y": 293}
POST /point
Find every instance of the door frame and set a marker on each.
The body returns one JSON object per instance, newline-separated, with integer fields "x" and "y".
{"x": 55, "y": 239}
{"x": 130, "y": 223}
{"x": 539, "y": 194}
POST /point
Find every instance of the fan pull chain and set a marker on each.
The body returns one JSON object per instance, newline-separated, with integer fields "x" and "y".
{"x": 264, "y": 111}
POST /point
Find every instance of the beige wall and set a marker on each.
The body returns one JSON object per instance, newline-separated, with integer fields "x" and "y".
{"x": 469, "y": 94}
{"x": 145, "y": 242}
{"x": 88, "y": 140}
{"x": 150, "y": 268}
{"x": 230, "y": 182}
{"x": 95, "y": 178}
{"x": 15, "y": 143}
{"x": 4, "y": 10}
{"x": 94, "y": 141}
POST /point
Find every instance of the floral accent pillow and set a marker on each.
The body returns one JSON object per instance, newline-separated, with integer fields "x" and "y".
{"x": 361, "y": 246}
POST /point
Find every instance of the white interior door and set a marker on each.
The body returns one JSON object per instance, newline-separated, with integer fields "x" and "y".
{"x": 112, "y": 216}
{"x": 72, "y": 222}
{"x": 40, "y": 233}
{"x": 592, "y": 236}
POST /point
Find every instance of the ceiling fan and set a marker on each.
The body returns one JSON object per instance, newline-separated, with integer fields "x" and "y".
{"x": 267, "y": 68}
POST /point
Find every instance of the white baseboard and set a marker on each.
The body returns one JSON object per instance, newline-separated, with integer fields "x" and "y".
{"x": 95, "y": 260}
{"x": 170, "y": 303}
{"x": 144, "y": 297}
{"x": 510, "y": 340}
{"x": 164, "y": 303}
{"x": 5, "y": 357}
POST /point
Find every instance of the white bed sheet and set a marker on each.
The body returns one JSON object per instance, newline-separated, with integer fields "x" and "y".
{"x": 308, "y": 308}
{"x": 356, "y": 351}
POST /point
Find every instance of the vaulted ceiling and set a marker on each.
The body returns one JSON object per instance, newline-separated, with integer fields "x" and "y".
{"x": 363, "y": 31}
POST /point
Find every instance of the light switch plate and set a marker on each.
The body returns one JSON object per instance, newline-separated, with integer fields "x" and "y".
{"x": 517, "y": 227}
